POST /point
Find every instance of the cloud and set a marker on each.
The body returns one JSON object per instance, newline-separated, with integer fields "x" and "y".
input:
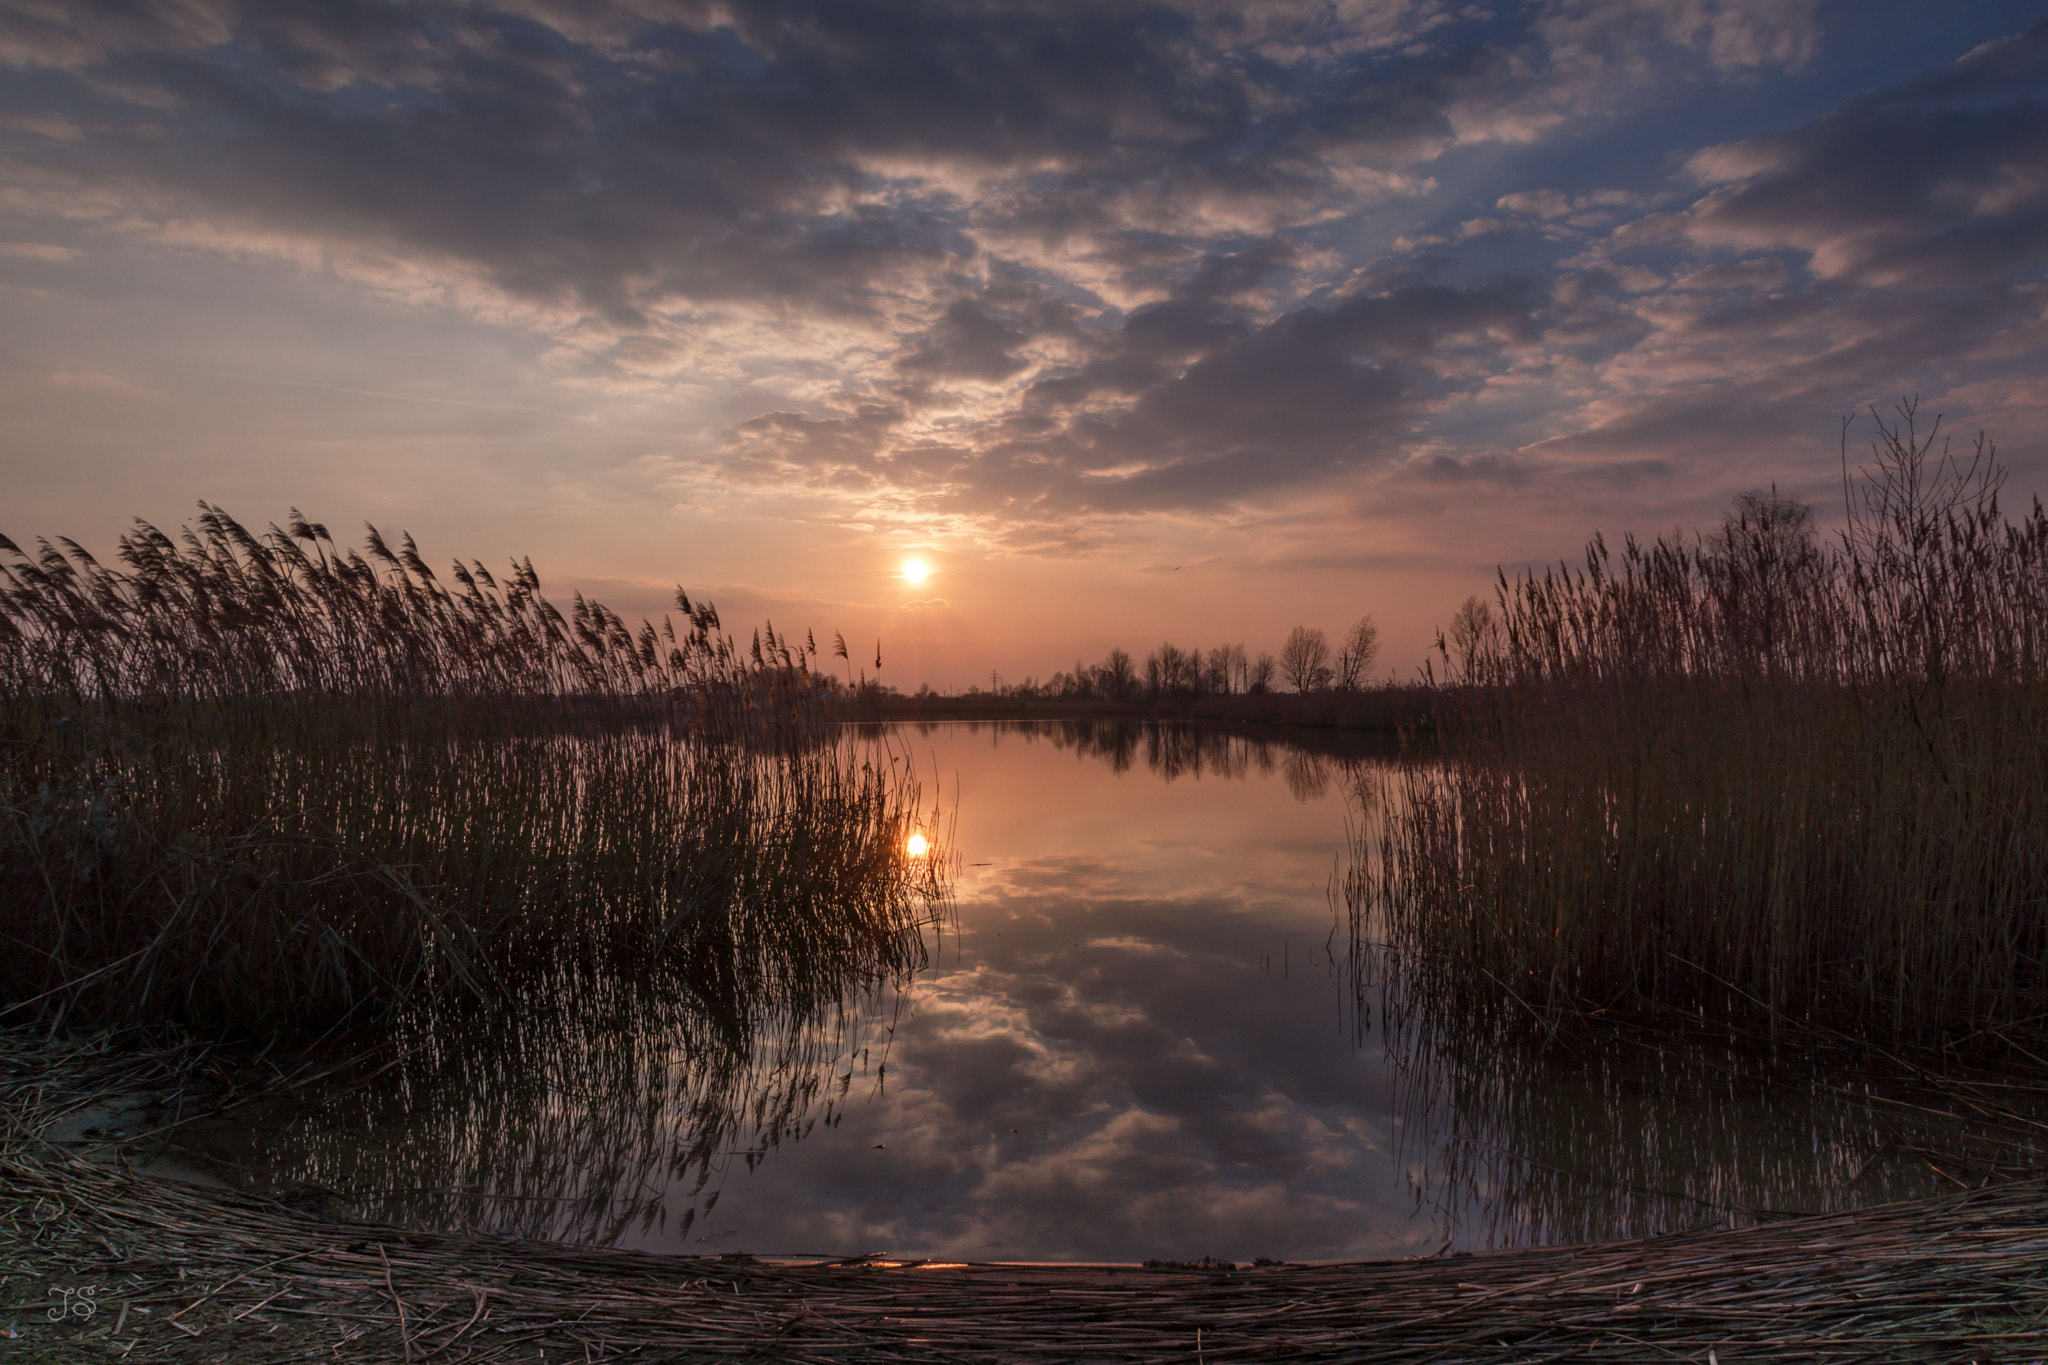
{"x": 1488, "y": 468}
{"x": 1027, "y": 269}
{"x": 74, "y": 36}
{"x": 616, "y": 164}
{"x": 88, "y": 381}
{"x": 1192, "y": 401}
{"x": 1734, "y": 36}
{"x": 1537, "y": 203}
{"x": 1881, "y": 248}
{"x": 1939, "y": 184}
{"x": 38, "y": 251}
{"x": 968, "y": 342}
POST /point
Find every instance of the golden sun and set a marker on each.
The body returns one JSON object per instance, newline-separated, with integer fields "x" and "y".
{"x": 915, "y": 570}
{"x": 917, "y": 846}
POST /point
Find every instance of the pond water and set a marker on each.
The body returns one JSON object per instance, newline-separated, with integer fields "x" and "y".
{"x": 1134, "y": 1040}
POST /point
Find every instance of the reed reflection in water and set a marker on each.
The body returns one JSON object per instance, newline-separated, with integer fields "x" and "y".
{"x": 1139, "y": 1042}
{"x": 593, "y": 1113}
{"x": 1622, "y": 1133}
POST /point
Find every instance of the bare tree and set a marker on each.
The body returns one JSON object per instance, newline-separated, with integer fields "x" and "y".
{"x": 1258, "y": 676}
{"x": 1356, "y": 657}
{"x": 1171, "y": 671}
{"x": 1474, "y": 639}
{"x": 1305, "y": 659}
{"x": 1758, "y": 565}
{"x": 1116, "y": 676}
{"x": 1785, "y": 523}
{"x": 1217, "y": 677}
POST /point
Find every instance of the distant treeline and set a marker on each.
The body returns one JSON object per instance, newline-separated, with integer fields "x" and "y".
{"x": 1310, "y": 764}
{"x": 1306, "y": 663}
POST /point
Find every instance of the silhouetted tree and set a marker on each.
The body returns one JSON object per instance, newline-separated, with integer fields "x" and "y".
{"x": 1116, "y": 677}
{"x": 1225, "y": 663}
{"x": 1355, "y": 659}
{"x": 1171, "y": 671}
{"x": 1758, "y": 564}
{"x": 1261, "y": 672}
{"x": 1305, "y": 659}
{"x": 1474, "y": 639}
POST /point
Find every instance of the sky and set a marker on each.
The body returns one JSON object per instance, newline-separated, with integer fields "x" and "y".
{"x": 1136, "y": 322}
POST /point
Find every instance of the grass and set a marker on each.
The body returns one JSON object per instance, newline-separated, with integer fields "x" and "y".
{"x": 1786, "y": 784}
{"x": 252, "y": 781}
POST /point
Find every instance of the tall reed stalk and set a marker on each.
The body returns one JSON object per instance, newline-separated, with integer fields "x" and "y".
{"x": 1748, "y": 773}
{"x": 257, "y": 779}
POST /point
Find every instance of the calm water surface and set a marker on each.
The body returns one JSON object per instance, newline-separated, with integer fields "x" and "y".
{"x": 1132, "y": 1043}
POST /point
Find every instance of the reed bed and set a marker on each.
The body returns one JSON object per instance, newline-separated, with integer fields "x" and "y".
{"x": 259, "y": 780}
{"x": 1750, "y": 775}
{"x": 183, "y": 1273}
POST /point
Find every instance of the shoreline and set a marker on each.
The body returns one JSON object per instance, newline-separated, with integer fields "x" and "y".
{"x": 190, "y": 1273}
{"x": 1387, "y": 710}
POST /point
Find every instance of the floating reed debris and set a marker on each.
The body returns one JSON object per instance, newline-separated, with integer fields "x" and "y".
{"x": 182, "y": 1273}
{"x": 1749, "y": 774}
{"x": 262, "y": 780}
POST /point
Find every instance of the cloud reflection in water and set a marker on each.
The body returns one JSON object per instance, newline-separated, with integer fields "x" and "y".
{"x": 1135, "y": 1045}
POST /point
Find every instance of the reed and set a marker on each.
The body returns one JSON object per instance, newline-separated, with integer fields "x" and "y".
{"x": 255, "y": 780}
{"x": 1780, "y": 782}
